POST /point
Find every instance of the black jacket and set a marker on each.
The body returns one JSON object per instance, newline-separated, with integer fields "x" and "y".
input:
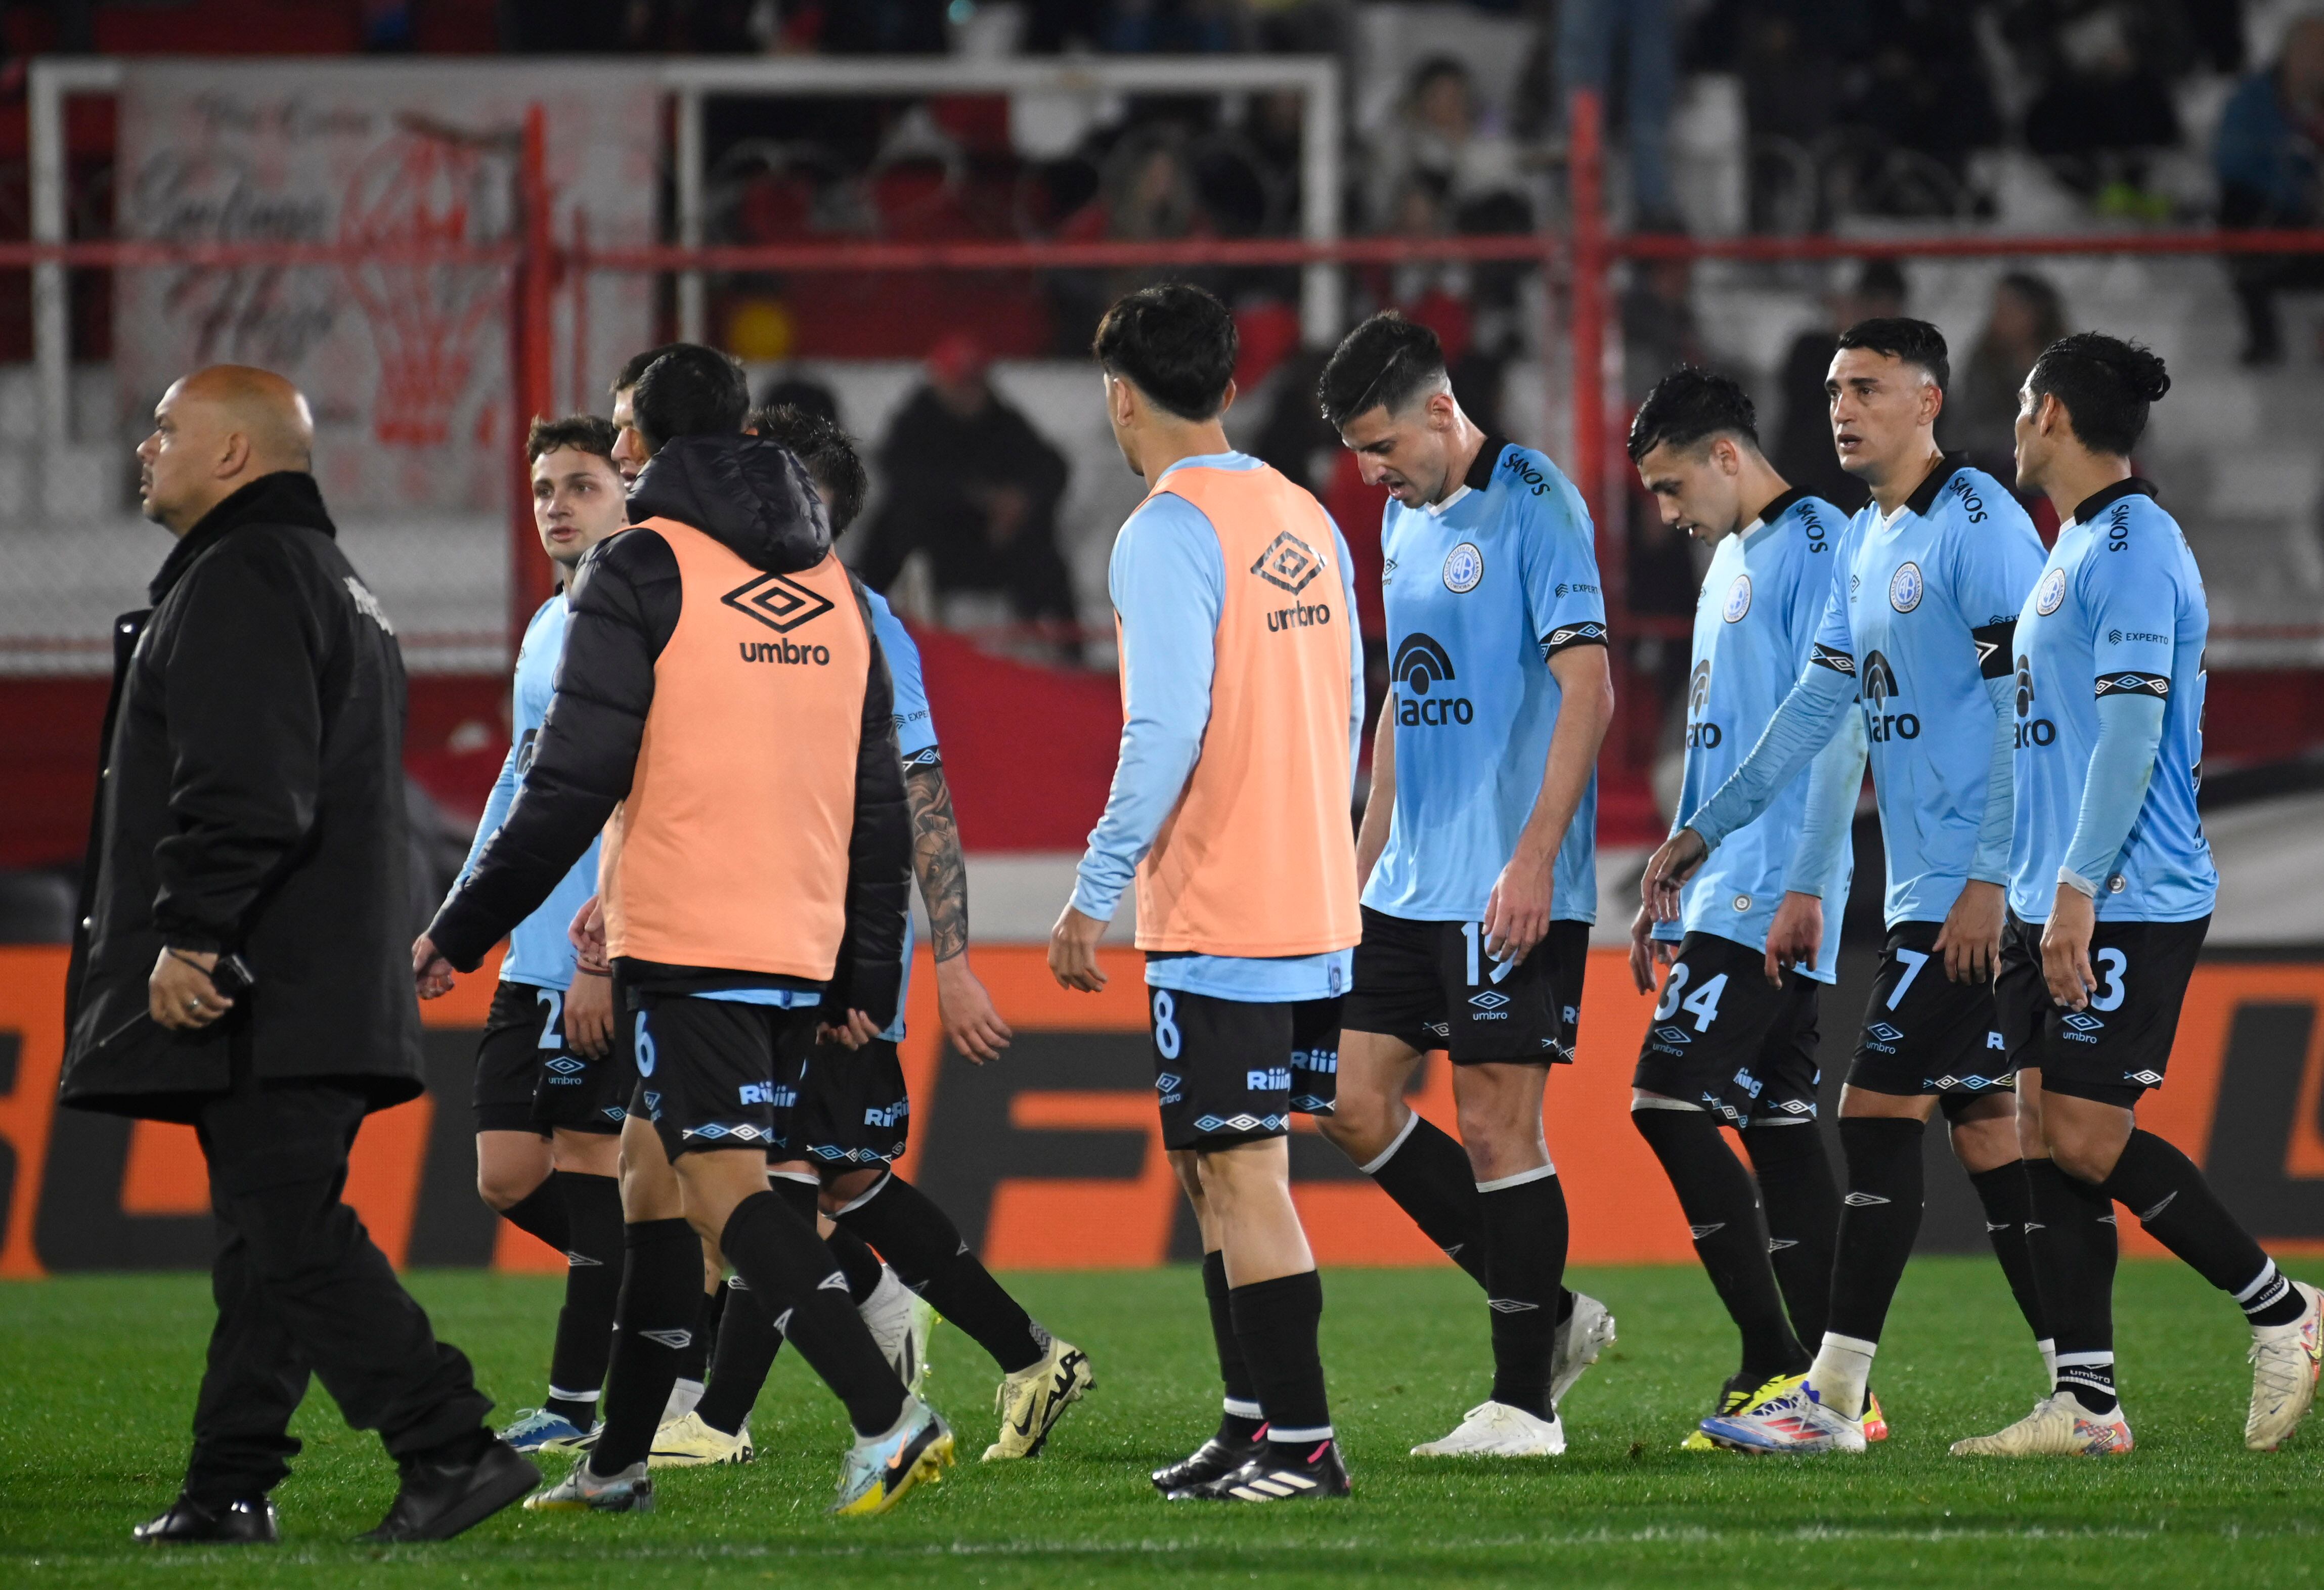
{"x": 251, "y": 801}
{"x": 753, "y": 497}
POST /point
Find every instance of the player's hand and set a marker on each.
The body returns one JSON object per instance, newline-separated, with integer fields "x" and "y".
{"x": 1970, "y": 939}
{"x": 589, "y": 1014}
{"x": 1796, "y": 938}
{"x": 970, "y": 1021}
{"x": 1517, "y": 913}
{"x": 179, "y": 993}
{"x": 1072, "y": 950}
{"x": 2066, "y": 948}
{"x": 855, "y": 1031}
{"x": 431, "y": 974}
{"x": 1671, "y": 865}
{"x": 1647, "y": 951}
{"x": 587, "y": 935}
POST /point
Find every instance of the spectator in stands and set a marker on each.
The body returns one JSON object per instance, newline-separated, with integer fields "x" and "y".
{"x": 2267, "y": 164}
{"x": 1439, "y": 138}
{"x": 802, "y": 392}
{"x": 1146, "y": 195}
{"x": 1920, "y": 87}
{"x": 968, "y": 481}
{"x": 1980, "y": 413}
{"x": 1659, "y": 329}
{"x": 1803, "y": 453}
{"x": 1171, "y": 27}
{"x": 2104, "y": 105}
{"x": 1590, "y": 30}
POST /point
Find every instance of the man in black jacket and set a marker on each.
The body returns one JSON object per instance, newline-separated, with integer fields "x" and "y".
{"x": 237, "y": 962}
{"x": 723, "y": 714}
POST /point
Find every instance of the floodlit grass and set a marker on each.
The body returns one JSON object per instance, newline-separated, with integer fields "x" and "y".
{"x": 96, "y": 1380}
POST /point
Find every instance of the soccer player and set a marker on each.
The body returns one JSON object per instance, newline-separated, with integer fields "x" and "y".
{"x": 2111, "y": 888}
{"x": 548, "y": 1112}
{"x": 1734, "y": 1037}
{"x": 724, "y": 705}
{"x": 1477, "y": 853}
{"x": 1927, "y": 578}
{"x": 1242, "y": 686}
{"x": 854, "y": 1115}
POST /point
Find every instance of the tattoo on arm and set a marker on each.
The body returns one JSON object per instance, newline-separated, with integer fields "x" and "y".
{"x": 937, "y": 860}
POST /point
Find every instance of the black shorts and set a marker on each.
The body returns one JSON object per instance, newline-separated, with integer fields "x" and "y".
{"x": 1726, "y": 1039}
{"x": 853, "y": 1110}
{"x": 528, "y": 1081}
{"x": 1234, "y": 1071}
{"x": 1925, "y": 1033}
{"x": 2120, "y": 1046}
{"x": 715, "y": 1073}
{"x": 1429, "y": 985}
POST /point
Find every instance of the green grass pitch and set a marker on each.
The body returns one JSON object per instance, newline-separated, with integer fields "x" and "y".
{"x": 96, "y": 1379}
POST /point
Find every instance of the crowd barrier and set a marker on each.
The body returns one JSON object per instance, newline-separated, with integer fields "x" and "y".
{"x": 1052, "y": 1157}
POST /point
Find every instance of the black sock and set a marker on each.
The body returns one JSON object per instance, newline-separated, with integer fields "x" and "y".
{"x": 541, "y": 1213}
{"x": 1730, "y": 1236}
{"x": 694, "y": 1364}
{"x": 2176, "y": 1205}
{"x": 748, "y": 1342}
{"x": 1242, "y": 1420}
{"x": 1429, "y": 1176}
{"x": 792, "y": 1275}
{"x": 1879, "y": 1219}
{"x": 927, "y": 1250}
{"x": 659, "y": 1309}
{"x": 2071, "y": 1237}
{"x": 1276, "y": 1321}
{"x": 593, "y": 1288}
{"x": 857, "y": 1262}
{"x": 2008, "y": 1198}
{"x": 1801, "y": 1202}
{"x": 1525, "y": 1259}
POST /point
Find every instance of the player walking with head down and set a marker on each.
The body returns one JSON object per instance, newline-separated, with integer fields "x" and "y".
{"x": 1479, "y": 854}
{"x": 1243, "y": 695}
{"x": 549, "y": 1109}
{"x": 1926, "y": 579}
{"x": 1733, "y": 1040}
{"x": 2111, "y": 888}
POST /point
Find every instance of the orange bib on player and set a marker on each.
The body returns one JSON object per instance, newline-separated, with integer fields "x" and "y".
{"x": 731, "y": 849}
{"x": 1258, "y": 857}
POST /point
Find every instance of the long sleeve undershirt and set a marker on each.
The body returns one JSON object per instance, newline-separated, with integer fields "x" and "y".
{"x": 1991, "y": 862}
{"x": 1803, "y": 726}
{"x": 1827, "y": 824}
{"x": 2130, "y": 729}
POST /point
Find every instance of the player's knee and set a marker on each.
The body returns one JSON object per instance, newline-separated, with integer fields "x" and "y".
{"x": 1361, "y": 1126}
{"x": 845, "y": 1187}
{"x": 503, "y": 1187}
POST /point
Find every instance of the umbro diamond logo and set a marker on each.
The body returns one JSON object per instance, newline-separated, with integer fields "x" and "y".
{"x": 778, "y": 601}
{"x": 1673, "y": 1033}
{"x": 1863, "y": 1200}
{"x": 783, "y": 1322}
{"x": 2082, "y": 1021}
{"x": 1776, "y": 1245}
{"x": 1702, "y": 1231}
{"x": 1884, "y": 1032}
{"x": 677, "y": 1341}
{"x": 2148, "y": 1214}
{"x": 2146, "y": 1079}
{"x": 835, "y": 1282}
{"x": 1289, "y": 563}
{"x": 1510, "y": 1305}
{"x": 1490, "y": 1000}
{"x": 573, "y": 1261}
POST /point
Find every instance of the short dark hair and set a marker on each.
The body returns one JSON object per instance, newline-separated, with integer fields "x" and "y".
{"x": 1174, "y": 343}
{"x": 1383, "y": 363}
{"x": 2105, "y": 384}
{"x": 585, "y": 433}
{"x": 1690, "y": 405}
{"x": 690, "y": 390}
{"x": 1900, "y": 336}
{"x": 828, "y": 453}
{"x": 637, "y": 365}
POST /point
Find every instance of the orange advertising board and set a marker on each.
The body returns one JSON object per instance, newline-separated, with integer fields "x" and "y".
{"x": 1052, "y": 1157}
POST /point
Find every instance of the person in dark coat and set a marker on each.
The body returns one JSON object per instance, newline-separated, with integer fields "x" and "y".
{"x": 239, "y": 964}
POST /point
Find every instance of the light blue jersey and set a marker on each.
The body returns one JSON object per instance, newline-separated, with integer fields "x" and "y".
{"x": 2118, "y": 614}
{"x": 1921, "y": 622}
{"x": 1168, "y": 582}
{"x": 1754, "y": 623}
{"x": 916, "y": 740}
{"x": 1480, "y": 590}
{"x": 538, "y": 953}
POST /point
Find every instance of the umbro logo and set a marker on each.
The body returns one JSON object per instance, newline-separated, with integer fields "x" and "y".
{"x": 1776, "y": 1245}
{"x": 835, "y": 1282}
{"x": 1863, "y": 1200}
{"x": 677, "y": 1341}
{"x": 778, "y": 601}
{"x": 1884, "y": 1032}
{"x": 1288, "y": 563}
{"x": 1673, "y": 1033}
{"x": 2146, "y": 1079}
{"x": 1490, "y": 1000}
{"x": 1702, "y": 1231}
{"x": 2082, "y": 1021}
{"x": 1510, "y": 1305}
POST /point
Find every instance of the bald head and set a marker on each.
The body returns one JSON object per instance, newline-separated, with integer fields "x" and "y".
{"x": 215, "y": 432}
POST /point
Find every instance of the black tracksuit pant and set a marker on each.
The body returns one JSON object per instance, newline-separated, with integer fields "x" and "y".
{"x": 301, "y": 1289}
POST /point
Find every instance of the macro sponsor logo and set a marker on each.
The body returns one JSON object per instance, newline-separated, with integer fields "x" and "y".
{"x": 1289, "y": 563}
{"x": 1879, "y": 690}
{"x": 1700, "y": 735}
{"x": 2038, "y": 732}
{"x": 1420, "y": 664}
{"x": 779, "y": 602}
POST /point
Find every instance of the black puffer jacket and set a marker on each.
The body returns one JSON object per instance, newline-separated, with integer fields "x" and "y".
{"x": 755, "y": 497}
{"x": 252, "y": 800}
